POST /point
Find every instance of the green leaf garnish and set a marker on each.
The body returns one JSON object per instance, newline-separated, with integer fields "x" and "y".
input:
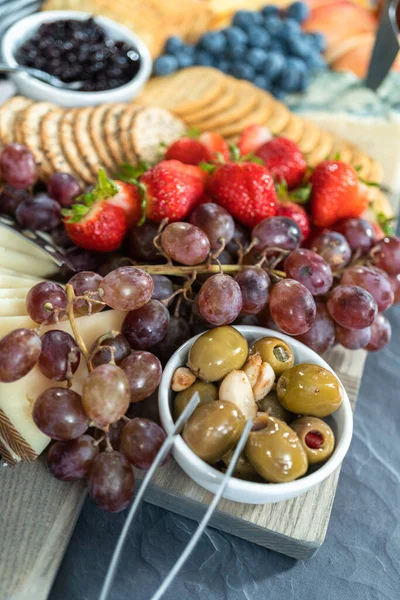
{"x": 207, "y": 167}
{"x": 104, "y": 189}
{"x": 369, "y": 183}
{"x": 193, "y": 133}
{"x": 301, "y": 195}
{"x": 143, "y": 203}
{"x": 386, "y": 223}
{"x": 234, "y": 152}
{"x": 130, "y": 173}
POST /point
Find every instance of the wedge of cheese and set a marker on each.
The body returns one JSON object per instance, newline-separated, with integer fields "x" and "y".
{"x": 10, "y": 278}
{"x": 14, "y": 241}
{"x": 24, "y": 263}
{"x": 14, "y": 292}
{"x": 8, "y": 324}
{"x": 12, "y": 307}
{"x": 20, "y": 439}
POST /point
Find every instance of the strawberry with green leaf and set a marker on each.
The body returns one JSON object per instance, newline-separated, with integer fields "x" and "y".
{"x": 284, "y": 160}
{"x": 95, "y": 223}
{"x": 196, "y": 148}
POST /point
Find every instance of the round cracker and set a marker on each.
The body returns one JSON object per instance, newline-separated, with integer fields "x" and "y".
{"x": 8, "y": 113}
{"x": 151, "y": 129}
{"x": 341, "y": 150}
{"x": 376, "y": 173}
{"x": 84, "y": 143}
{"x": 246, "y": 99}
{"x": 112, "y": 132}
{"x": 125, "y": 128}
{"x": 360, "y": 161}
{"x": 279, "y": 117}
{"x": 51, "y": 142}
{"x": 321, "y": 151}
{"x": 293, "y": 130}
{"x": 223, "y": 103}
{"x": 258, "y": 115}
{"x": 310, "y": 137}
{"x": 31, "y": 119}
{"x": 96, "y": 132}
{"x": 67, "y": 138}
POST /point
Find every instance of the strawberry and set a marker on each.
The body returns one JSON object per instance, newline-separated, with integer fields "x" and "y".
{"x": 100, "y": 227}
{"x": 92, "y": 222}
{"x": 252, "y": 138}
{"x": 298, "y": 214}
{"x": 188, "y": 151}
{"x": 216, "y": 146}
{"x": 336, "y": 193}
{"x": 128, "y": 198}
{"x": 285, "y": 161}
{"x": 246, "y": 190}
{"x": 170, "y": 190}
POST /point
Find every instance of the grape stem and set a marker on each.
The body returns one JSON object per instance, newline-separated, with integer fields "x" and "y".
{"x": 182, "y": 271}
{"x": 75, "y": 330}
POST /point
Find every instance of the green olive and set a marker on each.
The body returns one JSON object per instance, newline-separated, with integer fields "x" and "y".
{"x": 217, "y": 352}
{"x": 309, "y": 390}
{"x": 213, "y": 429}
{"x": 271, "y": 405}
{"x": 316, "y": 436}
{"x": 276, "y": 352}
{"x": 276, "y": 452}
{"x": 243, "y": 469}
{"x": 207, "y": 392}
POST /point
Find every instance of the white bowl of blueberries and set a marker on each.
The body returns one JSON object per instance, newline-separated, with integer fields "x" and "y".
{"x": 112, "y": 62}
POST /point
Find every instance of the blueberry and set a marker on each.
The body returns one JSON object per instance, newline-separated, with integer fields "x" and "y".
{"x": 269, "y": 10}
{"x": 273, "y": 25}
{"x": 223, "y": 65}
{"x": 238, "y": 51}
{"x": 213, "y": 41}
{"x": 277, "y": 92}
{"x": 243, "y": 71}
{"x": 258, "y": 37}
{"x": 274, "y": 65}
{"x": 279, "y": 46}
{"x": 246, "y": 18}
{"x": 186, "y": 56}
{"x": 299, "y": 11}
{"x": 235, "y": 35}
{"x": 304, "y": 82}
{"x": 256, "y": 58}
{"x": 318, "y": 39}
{"x": 291, "y": 29}
{"x": 165, "y": 64}
{"x": 300, "y": 47}
{"x": 203, "y": 58}
{"x": 262, "y": 82}
{"x": 292, "y": 75}
{"x": 315, "y": 62}
{"x": 173, "y": 44}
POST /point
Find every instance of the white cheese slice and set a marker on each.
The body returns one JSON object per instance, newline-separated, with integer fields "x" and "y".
{"x": 14, "y": 241}
{"x": 8, "y": 324}
{"x": 15, "y": 407}
{"x": 10, "y": 307}
{"x": 23, "y": 263}
{"x": 14, "y": 292}
{"x": 9, "y": 278}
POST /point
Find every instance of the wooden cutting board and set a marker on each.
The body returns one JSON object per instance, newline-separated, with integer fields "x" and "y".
{"x": 38, "y": 513}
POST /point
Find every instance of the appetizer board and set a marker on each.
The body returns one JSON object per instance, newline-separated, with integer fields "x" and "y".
{"x": 38, "y": 513}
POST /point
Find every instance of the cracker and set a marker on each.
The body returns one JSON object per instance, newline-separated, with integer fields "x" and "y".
{"x": 184, "y": 92}
{"x": 259, "y": 114}
{"x": 246, "y": 100}
{"x": 293, "y": 130}
{"x": 321, "y": 151}
{"x": 341, "y": 150}
{"x": 310, "y": 137}
{"x": 67, "y": 139}
{"x": 125, "y": 128}
{"x": 153, "y": 127}
{"x": 360, "y": 161}
{"x": 84, "y": 143}
{"x": 224, "y": 102}
{"x": 8, "y": 113}
{"x": 279, "y": 117}
{"x": 31, "y": 119}
{"x": 51, "y": 142}
{"x": 97, "y": 135}
{"x": 112, "y": 132}
{"x": 376, "y": 172}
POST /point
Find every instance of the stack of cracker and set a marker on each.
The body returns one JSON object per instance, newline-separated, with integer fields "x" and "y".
{"x": 81, "y": 141}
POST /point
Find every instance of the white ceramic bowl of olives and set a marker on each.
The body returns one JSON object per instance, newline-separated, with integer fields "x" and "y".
{"x": 298, "y": 439}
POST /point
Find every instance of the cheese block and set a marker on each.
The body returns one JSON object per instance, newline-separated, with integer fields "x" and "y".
{"x": 23, "y": 263}
{"x": 20, "y": 439}
{"x": 13, "y": 279}
{"x": 14, "y": 292}
{"x": 8, "y": 324}
{"x": 12, "y": 307}
{"x": 12, "y": 240}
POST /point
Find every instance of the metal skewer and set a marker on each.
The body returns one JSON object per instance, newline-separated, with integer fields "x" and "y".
{"x": 162, "y": 453}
